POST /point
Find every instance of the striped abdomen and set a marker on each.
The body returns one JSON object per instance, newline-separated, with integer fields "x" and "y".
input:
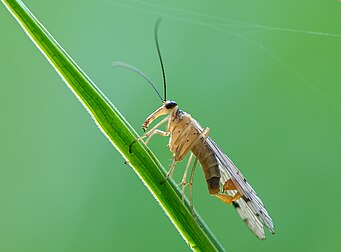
{"x": 209, "y": 164}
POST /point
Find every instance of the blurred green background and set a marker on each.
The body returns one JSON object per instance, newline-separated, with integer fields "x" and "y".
{"x": 264, "y": 76}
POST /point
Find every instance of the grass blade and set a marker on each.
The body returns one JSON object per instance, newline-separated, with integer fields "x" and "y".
{"x": 117, "y": 130}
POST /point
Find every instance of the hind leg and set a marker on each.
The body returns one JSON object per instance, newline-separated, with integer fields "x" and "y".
{"x": 191, "y": 185}
{"x": 184, "y": 178}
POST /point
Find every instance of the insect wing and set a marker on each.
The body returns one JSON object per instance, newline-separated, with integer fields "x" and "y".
{"x": 250, "y": 207}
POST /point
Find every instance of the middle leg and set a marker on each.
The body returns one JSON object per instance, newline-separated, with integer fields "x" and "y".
{"x": 191, "y": 185}
{"x": 184, "y": 178}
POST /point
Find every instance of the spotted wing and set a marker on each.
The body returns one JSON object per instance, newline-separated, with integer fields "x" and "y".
{"x": 250, "y": 207}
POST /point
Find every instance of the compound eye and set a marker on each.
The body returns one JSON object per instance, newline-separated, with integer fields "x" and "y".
{"x": 170, "y": 104}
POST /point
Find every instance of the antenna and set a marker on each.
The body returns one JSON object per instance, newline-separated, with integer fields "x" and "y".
{"x": 156, "y": 29}
{"x": 139, "y": 72}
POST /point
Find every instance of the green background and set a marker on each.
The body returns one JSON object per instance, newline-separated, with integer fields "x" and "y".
{"x": 264, "y": 76}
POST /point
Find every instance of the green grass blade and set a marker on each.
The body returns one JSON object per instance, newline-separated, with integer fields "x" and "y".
{"x": 117, "y": 130}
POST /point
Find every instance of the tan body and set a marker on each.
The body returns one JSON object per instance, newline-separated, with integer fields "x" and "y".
{"x": 186, "y": 135}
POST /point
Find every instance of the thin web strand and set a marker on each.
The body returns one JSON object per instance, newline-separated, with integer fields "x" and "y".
{"x": 227, "y": 21}
{"x": 240, "y": 36}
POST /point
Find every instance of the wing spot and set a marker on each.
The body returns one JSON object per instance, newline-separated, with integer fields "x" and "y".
{"x": 235, "y": 204}
{"x": 245, "y": 199}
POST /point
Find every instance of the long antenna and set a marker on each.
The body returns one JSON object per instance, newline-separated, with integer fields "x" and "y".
{"x": 156, "y": 29}
{"x": 139, "y": 72}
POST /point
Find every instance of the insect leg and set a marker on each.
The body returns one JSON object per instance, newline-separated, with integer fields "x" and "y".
{"x": 154, "y": 128}
{"x": 171, "y": 170}
{"x": 149, "y": 133}
{"x": 191, "y": 185}
{"x": 183, "y": 181}
{"x": 159, "y": 132}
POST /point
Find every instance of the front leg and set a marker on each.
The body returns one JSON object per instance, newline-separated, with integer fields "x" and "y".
{"x": 159, "y": 132}
{"x": 150, "y": 133}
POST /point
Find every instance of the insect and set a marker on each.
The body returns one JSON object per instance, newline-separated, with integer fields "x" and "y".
{"x": 223, "y": 179}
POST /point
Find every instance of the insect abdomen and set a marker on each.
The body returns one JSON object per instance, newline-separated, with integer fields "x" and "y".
{"x": 210, "y": 166}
